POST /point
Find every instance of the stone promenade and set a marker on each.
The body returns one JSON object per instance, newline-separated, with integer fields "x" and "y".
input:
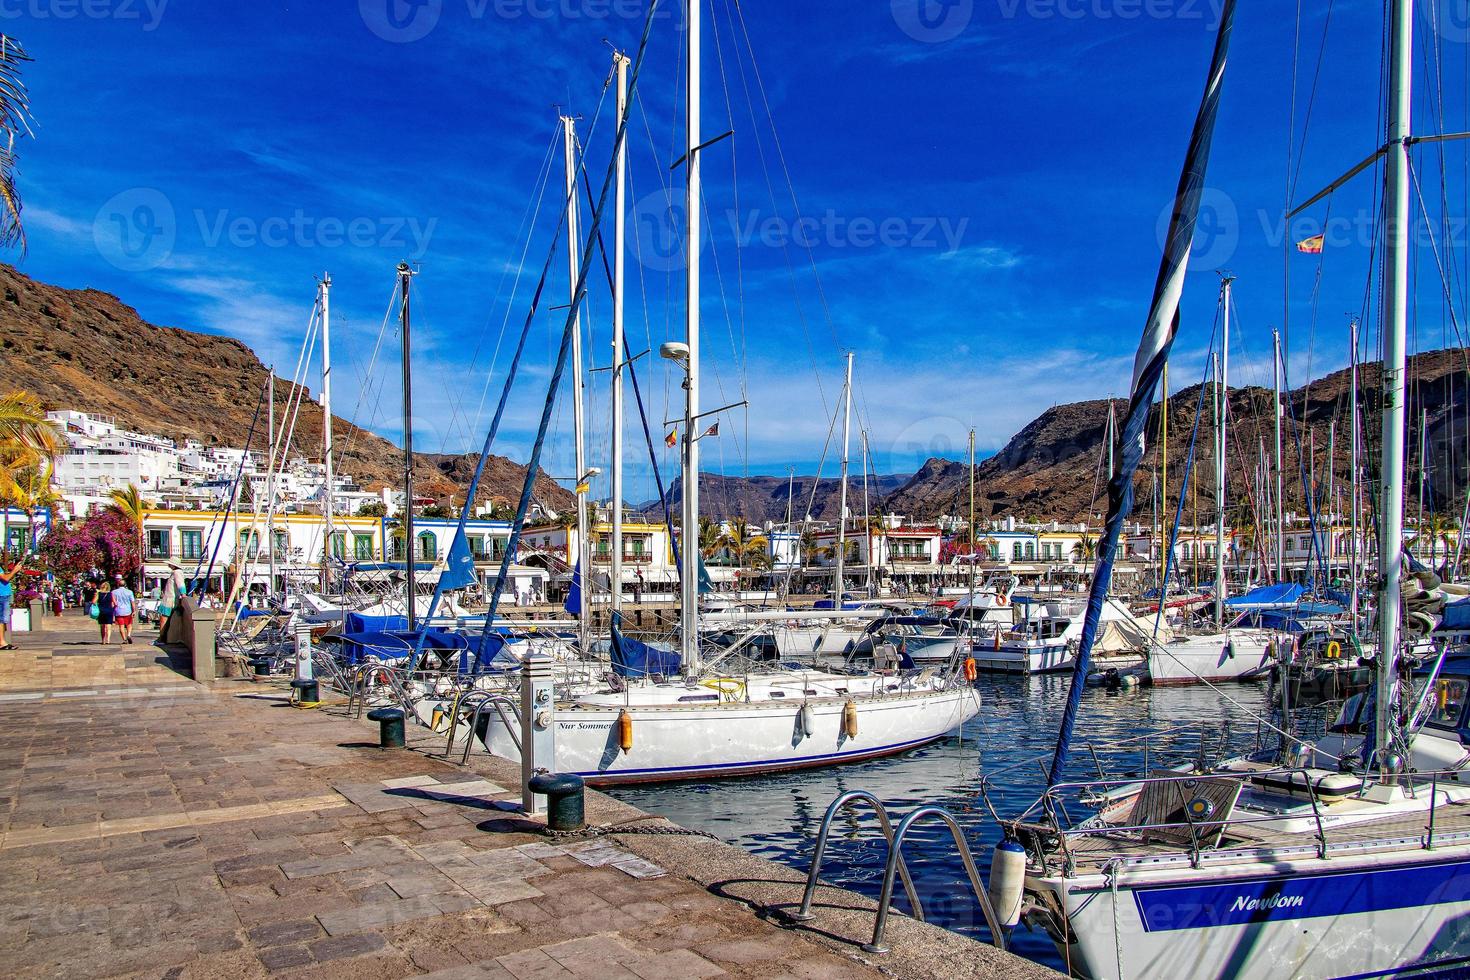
{"x": 152, "y": 827}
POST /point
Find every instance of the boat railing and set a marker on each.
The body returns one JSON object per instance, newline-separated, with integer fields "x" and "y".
{"x": 503, "y": 705}
{"x": 895, "y": 867}
{"x": 1204, "y": 819}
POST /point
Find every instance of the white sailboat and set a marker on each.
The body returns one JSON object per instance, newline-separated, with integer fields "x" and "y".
{"x": 1347, "y": 858}
{"x": 703, "y": 724}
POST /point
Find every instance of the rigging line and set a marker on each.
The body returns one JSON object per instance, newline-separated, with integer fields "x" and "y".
{"x": 365, "y": 385}
{"x": 1311, "y": 97}
{"x": 735, "y": 190}
{"x": 1434, "y": 249}
{"x": 771, "y": 194}
{"x": 578, "y": 292}
{"x": 543, "y": 181}
{"x": 235, "y": 489}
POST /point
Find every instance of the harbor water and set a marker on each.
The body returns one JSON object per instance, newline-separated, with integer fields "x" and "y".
{"x": 778, "y": 817}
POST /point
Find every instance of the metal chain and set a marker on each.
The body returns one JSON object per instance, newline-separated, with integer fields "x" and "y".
{"x": 608, "y": 830}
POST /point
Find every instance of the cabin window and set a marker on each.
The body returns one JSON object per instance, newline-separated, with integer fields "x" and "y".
{"x": 1449, "y": 701}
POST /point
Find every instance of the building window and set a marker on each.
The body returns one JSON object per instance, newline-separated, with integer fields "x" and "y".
{"x": 280, "y": 544}
{"x": 604, "y": 549}
{"x": 477, "y": 547}
{"x": 250, "y": 543}
{"x": 362, "y": 546}
{"x": 160, "y": 541}
{"x": 1016, "y": 550}
{"x": 339, "y": 545}
{"x": 193, "y": 544}
{"x": 428, "y": 546}
{"x": 1030, "y": 550}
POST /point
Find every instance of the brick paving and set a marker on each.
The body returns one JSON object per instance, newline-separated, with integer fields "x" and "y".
{"x": 151, "y": 827}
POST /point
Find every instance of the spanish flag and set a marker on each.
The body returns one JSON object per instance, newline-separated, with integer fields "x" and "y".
{"x": 672, "y": 438}
{"x": 1311, "y": 246}
{"x": 584, "y": 487}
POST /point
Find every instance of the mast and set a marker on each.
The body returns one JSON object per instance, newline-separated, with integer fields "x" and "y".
{"x": 1355, "y": 556}
{"x": 270, "y": 506}
{"x": 1395, "y": 330}
{"x": 1276, "y": 459}
{"x": 579, "y": 424}
{"x": 405, "y": 277}
{"x": 1162, "y": 509}
{"x": 1222, "y": 447}
{"x": 325, "y": 288}
{"x": 867, "y": 519}
{"x": 689, "y": 536}
{"x": 620, "y": 60}
{"x": 973, "y": 556}
{"x": 842, "y": 492}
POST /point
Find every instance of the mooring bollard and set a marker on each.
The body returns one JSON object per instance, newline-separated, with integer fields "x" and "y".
{"x": 565, "y": 801}
{"x": 390, "y": 730}
{"x": 262, "y": 666}
{"x": 305, "y": 692}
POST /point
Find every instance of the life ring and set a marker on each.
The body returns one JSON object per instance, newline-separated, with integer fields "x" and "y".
{"x": 730, "y": 688}
{"x": 1000, "y": 598}
{"x": 971, "y": 671}
{"x": 1334, "y": 650}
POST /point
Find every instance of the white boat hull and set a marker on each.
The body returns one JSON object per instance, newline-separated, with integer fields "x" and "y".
{"x": 1400, "y": 914}
{"x": 1037, "y": 658}
{"x": 697, "y": 741}
{"x": 1238, "y": 655}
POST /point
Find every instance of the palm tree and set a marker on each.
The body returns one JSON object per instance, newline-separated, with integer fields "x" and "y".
{"x": 29, "y": 442}
{"x": 711, "y": 538}
{"x": 15, "y": 111}
{"x": 741, "y": 541}
{"x": 1438, "y": 529}
{"x": 1086, "y": 548}
{"x": 130, "y": 504}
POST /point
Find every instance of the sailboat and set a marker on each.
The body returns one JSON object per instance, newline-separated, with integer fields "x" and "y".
{"x": 668, "y": 716}
{"x": 1350, "y": 857}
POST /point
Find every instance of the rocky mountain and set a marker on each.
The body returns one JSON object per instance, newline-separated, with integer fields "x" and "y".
{"x": 766, "y": 498}
{"x": 86, "y": 350}
{"x": 1055, "y": 467}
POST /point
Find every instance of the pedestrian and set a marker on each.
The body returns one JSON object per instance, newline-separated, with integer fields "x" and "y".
{"x": 123, "y": 604}
{"x": 58, "y": 601}
{"x": 7, "y": 595}
{"x": 638, "y": 588}
{"x": 104, "y": 610}
{"x": 173, "y": 590}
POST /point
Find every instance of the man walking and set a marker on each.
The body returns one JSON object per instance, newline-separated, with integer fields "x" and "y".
{"x": 7, "y": 594}
{"x": 123, "y": 603}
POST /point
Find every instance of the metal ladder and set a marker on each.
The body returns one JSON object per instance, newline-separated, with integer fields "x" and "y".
{"x": 895, "y": 866}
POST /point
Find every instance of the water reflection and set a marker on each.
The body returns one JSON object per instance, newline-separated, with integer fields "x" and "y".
{"x": 777, "y": 817}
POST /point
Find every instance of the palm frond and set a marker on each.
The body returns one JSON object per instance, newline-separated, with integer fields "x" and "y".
{"x": 15, "y": 119}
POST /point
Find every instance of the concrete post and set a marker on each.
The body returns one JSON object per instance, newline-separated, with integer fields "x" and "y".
{"x": 201, "y": 643}
{"x": 538, "y": 732}
{"x": 304, "y": 669}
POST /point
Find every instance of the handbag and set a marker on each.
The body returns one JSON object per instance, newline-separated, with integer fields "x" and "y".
{"x": 92, "y": 610}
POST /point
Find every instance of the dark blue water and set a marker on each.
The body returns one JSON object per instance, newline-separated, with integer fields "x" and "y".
{"x": 777, "y": 817}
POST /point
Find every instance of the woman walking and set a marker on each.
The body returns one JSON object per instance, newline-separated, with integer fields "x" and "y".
{"x": 104, "y": 611}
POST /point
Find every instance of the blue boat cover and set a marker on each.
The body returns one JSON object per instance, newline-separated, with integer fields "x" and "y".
{"x": 1456, "y": 616}
{"x": 633, "y": 658}
{"x": 1267, "y": 596}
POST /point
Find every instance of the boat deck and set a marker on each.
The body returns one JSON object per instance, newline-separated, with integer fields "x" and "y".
{"x": 1268, "y": 823}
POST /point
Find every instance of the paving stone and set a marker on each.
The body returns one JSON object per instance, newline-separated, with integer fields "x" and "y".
{"x": 284, "y": 958}
{"x": 407, "y": 781}
{"x": 677, "y": 964}
{"x": 362, "y": 918}
{"x": 340, "y": 947}
{"x": 284, "y": 933}
{"x": 534, "y": 964}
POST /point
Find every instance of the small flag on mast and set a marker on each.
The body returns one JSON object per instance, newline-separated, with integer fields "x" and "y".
{"x": 1311, "y": 246}
{"x": 671, "y": 438}
{"x": 584, "y": 487}
{"x": 713, "y": 430}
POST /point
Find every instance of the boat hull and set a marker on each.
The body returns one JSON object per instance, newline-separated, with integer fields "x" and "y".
{"x": 1373, "y": 916}
{"x": 680, "y": 742}
{"x": 1040, "y": 658}
{"x": 1193, "y": 660}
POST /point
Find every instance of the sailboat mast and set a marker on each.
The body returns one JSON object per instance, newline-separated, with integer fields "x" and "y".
{"x": 973, "y": 555}
{"x": 1222, "y": 446}
{"x": 621, "y": 62}
{"x": 842, "y": 492}
{"x": 579, "y": 425}
{"x": 1395, "y": 330}
{"x": 1276, "y": 459}
{"x": 270, "y": 505}
{"x": 405, "y": 277}
{"x": 689, "y": 534}
{"x": 867, "y": 518}
{"x": 325, "y": 289}
{"x": 1356, "y": 555}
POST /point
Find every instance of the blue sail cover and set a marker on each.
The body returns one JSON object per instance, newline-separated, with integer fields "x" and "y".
{"x": 460, "y": 571}
{"x": 573, "y": 605}
{"x": 633, "y": 658}
{"x": 1283, "y": 596}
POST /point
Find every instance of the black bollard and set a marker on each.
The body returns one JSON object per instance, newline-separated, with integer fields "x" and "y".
{"x": 306, "y": 691}
{"x": 390, "y": 730}
{"x": 565, "y": 804}
{"x": 262, "y": 666}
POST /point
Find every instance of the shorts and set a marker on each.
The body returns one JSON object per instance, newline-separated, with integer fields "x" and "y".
{"x": 123, "y": 620}
{"x": 4, "y": 610}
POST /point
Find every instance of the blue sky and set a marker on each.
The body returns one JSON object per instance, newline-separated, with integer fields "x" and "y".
{"x": 984, "y": 181}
